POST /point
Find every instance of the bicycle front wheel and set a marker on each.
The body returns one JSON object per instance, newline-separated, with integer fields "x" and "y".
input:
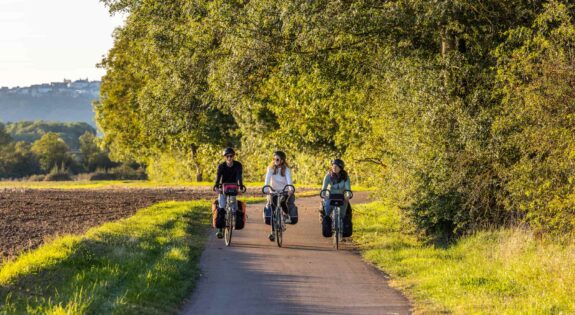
{"x": 229, "y": 227}
{"x": 278, "y": 227}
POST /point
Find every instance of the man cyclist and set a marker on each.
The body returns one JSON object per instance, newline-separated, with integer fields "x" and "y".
{"x": 229, "y": 171}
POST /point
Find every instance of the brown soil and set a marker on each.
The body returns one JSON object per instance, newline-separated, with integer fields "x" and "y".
{"x": 29, "y": 217}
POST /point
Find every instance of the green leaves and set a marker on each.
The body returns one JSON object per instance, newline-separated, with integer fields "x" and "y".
{"x": 442, "y": 104}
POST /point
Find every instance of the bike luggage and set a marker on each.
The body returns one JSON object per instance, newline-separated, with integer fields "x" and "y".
{"x": 267, "y": 214}
{"x": 241, "y": 215}
{"x": 326, "y": 229}
{"x": 218, "y": 216}
{"x": 293, "y": 214}
{"x": 347, "y": 228}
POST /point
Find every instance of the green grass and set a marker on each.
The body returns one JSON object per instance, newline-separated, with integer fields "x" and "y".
{"x": 145, "y": 264}
{"x": 107, "y": 184}
{"x": 500, "y": 272}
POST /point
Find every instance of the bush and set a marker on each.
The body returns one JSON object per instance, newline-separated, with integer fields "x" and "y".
{"x": 58, "y": 174}
{"x": 36, "y": 178}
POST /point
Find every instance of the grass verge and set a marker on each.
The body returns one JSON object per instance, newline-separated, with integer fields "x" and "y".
{"x": 499, "y": 272}
{"x": 145, "y": 264}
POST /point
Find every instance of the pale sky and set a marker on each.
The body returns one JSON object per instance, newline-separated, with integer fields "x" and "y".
{"x": 44, "y": 41}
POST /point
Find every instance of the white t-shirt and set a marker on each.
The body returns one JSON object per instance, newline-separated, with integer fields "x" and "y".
{"x": 277, "y": 181}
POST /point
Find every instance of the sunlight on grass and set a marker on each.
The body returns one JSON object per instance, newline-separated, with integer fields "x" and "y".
{"x": 143, "y": 264}
{"x": 500, "y": 272}
{"x": 108, "y": 184}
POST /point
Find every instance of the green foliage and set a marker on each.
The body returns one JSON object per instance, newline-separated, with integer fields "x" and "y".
{"x": 509, "y": 271}
{"x": 58, "y": 174}
{"x": 16, "y": 160}
{"x": 535, "y": 122}
{"x": 52, "y": 152}
{"x": 4, "y": 137}
{"x": 434, "y": 102}
{"x": 30, "y": 131}
{"x": 93, "y": 157}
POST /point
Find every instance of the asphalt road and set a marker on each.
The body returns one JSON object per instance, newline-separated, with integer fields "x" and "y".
{"x": 305, "y": 276}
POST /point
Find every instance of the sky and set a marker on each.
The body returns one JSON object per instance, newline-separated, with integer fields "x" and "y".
{"x": 44, "y": 41}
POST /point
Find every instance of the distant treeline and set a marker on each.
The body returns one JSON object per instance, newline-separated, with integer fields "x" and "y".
{"x": 40, "y": 150}
{"x": 462, "y": 113}
{"x": 30, "y": 131}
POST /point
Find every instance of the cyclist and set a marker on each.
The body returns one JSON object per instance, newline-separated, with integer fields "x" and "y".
{"x": 278, "y": 176}
{"x": 229, "y": 171}
{"x": 338, "y": 182}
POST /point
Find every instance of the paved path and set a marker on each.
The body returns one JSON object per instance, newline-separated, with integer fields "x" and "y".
{"x": 305, "y": 276}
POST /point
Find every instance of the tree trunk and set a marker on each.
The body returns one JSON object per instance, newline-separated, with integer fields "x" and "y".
{"x": 193, "y": 155}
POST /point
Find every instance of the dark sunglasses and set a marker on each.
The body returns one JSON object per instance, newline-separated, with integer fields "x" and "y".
{"x": 229, "y": 155}
{"x": 277, "y": 160}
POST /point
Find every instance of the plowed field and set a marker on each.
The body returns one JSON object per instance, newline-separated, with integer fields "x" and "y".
{"x": 29, "y": 217}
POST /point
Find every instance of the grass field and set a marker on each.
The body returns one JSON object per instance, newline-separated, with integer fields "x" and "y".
{"x": 500, "y": 272}
{"x": 145, "y": 264}
{"x": 107, "y": 184}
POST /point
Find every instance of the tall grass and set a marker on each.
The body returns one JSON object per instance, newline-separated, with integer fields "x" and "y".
{"x": 146, "y": 264}
{"x": 500, "y": 272}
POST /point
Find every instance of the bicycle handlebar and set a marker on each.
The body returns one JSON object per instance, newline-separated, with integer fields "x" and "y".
{"x": 243, "y": 188}
{"x": 325, "y": 193}
{"x": 271, "y": 191}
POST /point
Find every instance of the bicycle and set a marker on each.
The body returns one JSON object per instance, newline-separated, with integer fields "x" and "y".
{"x": 336, "y": 201}
{"x": 230, "y": 192}
{"x": 278, "y": 221}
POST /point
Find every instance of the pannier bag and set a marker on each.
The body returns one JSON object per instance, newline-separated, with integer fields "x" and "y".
{"x": 267, "y": 214}
{"x": 347, "y": 228}
{"x": 293, "y": 214}
{"x": 218, "y": 216}
{"x": 241, "y": 215}
{"x": 326, "y": 230}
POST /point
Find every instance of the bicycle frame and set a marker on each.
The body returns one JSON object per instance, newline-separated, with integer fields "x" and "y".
{"x": 278, "y": 223}
{"x": 335, "y": 213}
{"x": 230, "y": 214}
{"x": 230, "y": 219}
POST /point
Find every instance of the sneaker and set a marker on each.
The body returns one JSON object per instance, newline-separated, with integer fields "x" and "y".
{"x": 288, "y": 219}
{"x": 219, "y": 233}
{"x": 272, "y": 237}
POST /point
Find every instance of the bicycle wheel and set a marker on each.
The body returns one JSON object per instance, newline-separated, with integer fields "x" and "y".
{"x": 229, "y": 227}
{"x": 278, "y": 227}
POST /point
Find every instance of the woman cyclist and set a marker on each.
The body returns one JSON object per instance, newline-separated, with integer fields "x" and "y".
{"x": 278, "y": 176}
{"x": 337, "y": 182}
{"x": 229, "y": 171}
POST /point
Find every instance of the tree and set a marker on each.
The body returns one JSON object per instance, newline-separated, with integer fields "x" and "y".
{"x": 16, "y": 161}
{"x": 51, "y": 151}
{"x": 4, "y": 137}
{"x": 92, "y": 156}
{"x": 536, "y": 120}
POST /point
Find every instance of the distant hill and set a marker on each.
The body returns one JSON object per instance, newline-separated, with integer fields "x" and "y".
{"x": 30, "y": 131}
{"x": 68, "y": 101}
